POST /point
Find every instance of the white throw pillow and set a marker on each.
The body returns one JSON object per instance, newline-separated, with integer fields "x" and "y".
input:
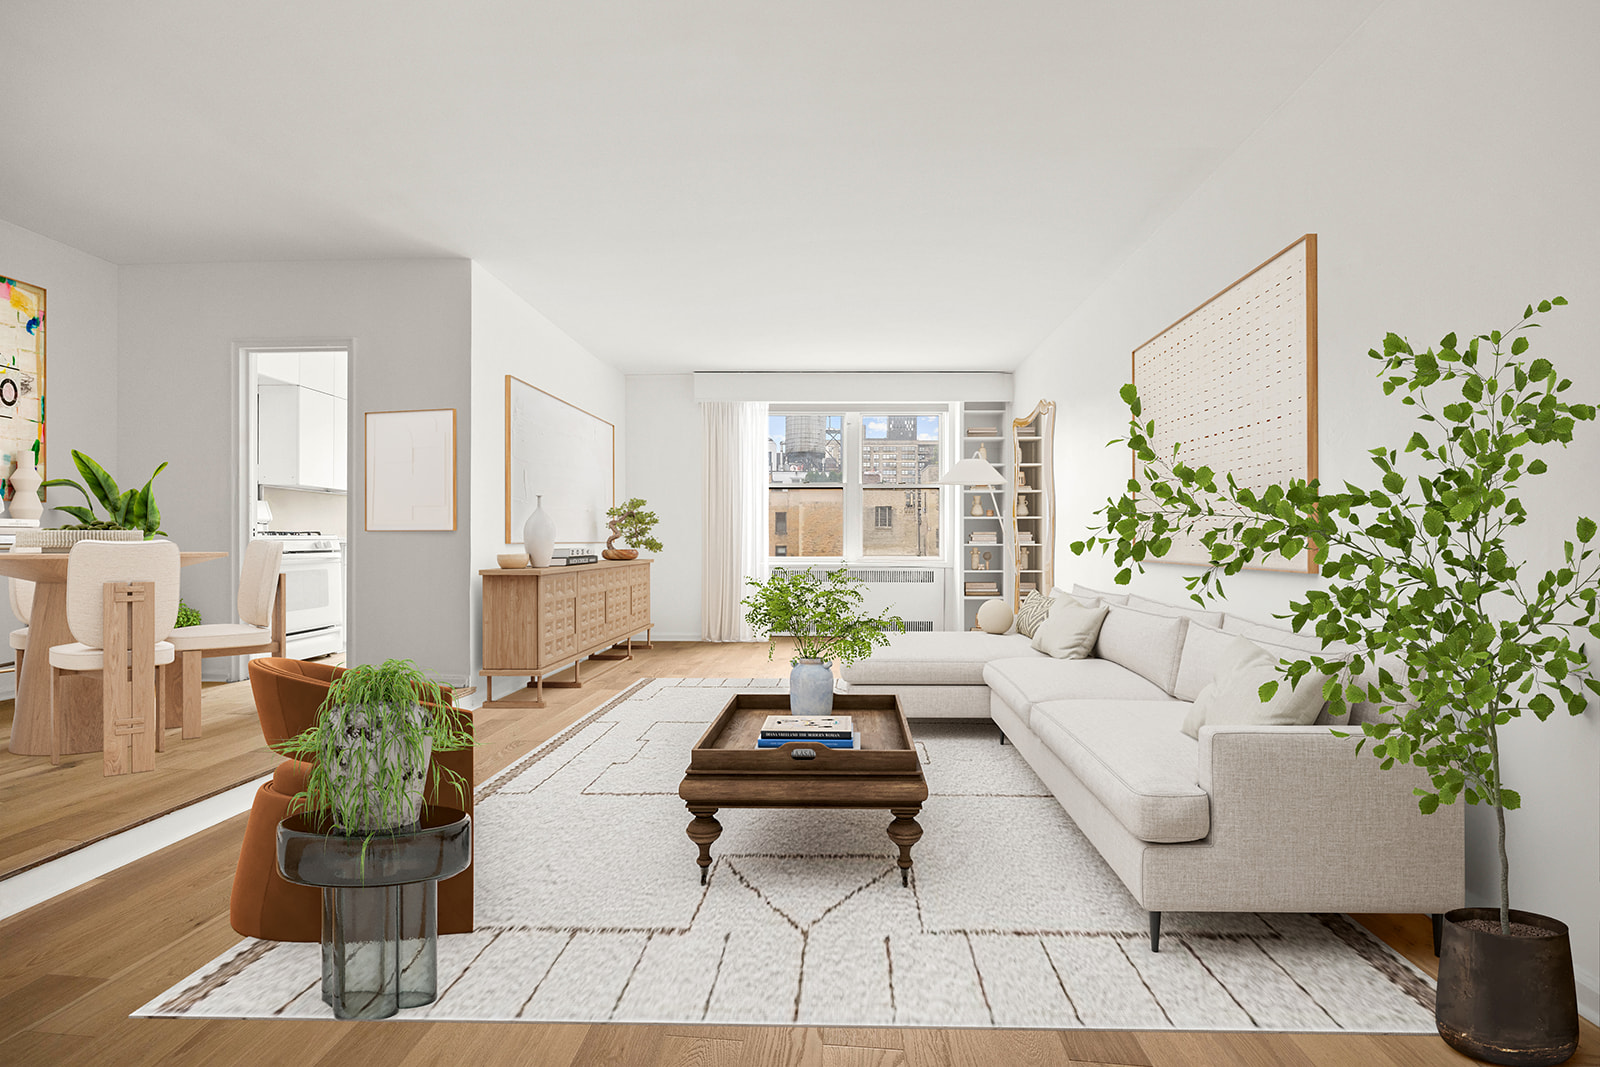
{"x": 1234, "y": 697}
{"x": 1083, "y": 592}
{"x": 1148, "y": 645}
{"x": 1205, "y": 655}
{"x": 994, "y": 617}
{"x": 1069, "y": 631}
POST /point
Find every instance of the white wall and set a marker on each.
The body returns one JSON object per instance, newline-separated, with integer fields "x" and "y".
{"x": 1445, "y": 156}
{"x": 409, "y": 323}
{"x": 510, "y": 337}
{"x": 80, "y": 362}
{"x": 664, "y": 467}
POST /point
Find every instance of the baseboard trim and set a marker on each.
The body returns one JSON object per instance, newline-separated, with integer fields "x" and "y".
{"x": 1588, "y": 995}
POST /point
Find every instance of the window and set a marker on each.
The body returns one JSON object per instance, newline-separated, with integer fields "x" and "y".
{"x": 837, "y": 479}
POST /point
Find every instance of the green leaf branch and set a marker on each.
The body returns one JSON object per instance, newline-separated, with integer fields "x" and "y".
{"x": 821, "y": 612}
{"x": 1426, "y": 610}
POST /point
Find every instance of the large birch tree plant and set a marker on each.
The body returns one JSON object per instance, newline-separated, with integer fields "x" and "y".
{"x": 1424, "y": 609}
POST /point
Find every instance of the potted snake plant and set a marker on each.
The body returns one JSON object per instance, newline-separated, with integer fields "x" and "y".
{"x": 370, "y": 749}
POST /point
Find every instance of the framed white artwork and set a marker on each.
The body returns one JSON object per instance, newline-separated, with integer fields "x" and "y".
{"x": 560, "y": 455}
{"x": 411, "y": 469}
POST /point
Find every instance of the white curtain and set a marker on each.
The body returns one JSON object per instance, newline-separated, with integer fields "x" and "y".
{"x": 734, "y": 453}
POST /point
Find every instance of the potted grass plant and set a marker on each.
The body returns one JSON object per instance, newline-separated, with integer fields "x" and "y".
{"x": 632, "y": 523}
{"x": 370, "y": 749}
{"x": 1427, "y": 611}
{"x": 823, "y": 614}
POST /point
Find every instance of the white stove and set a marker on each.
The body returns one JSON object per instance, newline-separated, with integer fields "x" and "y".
{"x": 313, "y": 568}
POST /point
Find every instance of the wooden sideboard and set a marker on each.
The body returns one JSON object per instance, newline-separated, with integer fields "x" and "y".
{"x": 538, "y": 621}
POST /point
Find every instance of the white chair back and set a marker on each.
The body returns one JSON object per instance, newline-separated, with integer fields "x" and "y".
{"x": 91, "y": 564}
{"x": 22, "y": 600}
{"x": 258, "y": 580}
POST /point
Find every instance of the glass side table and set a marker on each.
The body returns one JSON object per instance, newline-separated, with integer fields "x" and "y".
{"x": 380, "y": 914}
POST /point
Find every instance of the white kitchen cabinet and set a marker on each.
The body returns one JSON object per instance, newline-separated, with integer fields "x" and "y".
{"x": 303, "y": 438}
{"x": 278, "y": 368}
{"x": 323, "y": 371}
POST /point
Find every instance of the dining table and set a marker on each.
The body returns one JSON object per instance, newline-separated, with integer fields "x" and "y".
{"x": 47, "y": 627}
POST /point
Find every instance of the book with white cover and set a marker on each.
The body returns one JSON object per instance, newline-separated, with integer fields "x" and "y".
{"x": 805, "y": 727}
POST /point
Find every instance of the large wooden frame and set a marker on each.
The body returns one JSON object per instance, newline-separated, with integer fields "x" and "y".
{"x": 22, "y": 343}
{"x": 559, "y": 451}
{"x": 410, "y": 483}
{"x": 1235, "y": 380}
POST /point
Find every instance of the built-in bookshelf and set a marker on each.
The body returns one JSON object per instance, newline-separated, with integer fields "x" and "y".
{"x": 984, "y": 557}
{"x": 1033, "y": 504}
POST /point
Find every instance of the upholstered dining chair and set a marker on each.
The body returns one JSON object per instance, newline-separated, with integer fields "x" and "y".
{"x": 122, "y": 599}
{"x": 22, "y": 607}
{"x": 262, "y": 612}
{"x": 289, "y": 693}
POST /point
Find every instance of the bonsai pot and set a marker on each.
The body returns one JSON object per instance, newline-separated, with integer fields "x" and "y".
{"x": 620, "y": 553}
{"x": 810, "y": 687}
{"x": 1507, "y": 999}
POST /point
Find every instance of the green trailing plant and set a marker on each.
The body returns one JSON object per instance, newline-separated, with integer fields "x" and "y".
{"x": 126, "y": 509}
{"x": 187, "y": 616}
{"x": 370, "y": 749}
{"x": 822, "y": 613}
{"x": 631, "y": 522}
{"x": 1426, "y": 609}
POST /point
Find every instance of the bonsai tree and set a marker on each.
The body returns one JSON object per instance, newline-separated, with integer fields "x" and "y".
{"x": 631, "y": 522}
{"x": 1452, "y": 635}
{"x": 822, "y": 614}
{"x": 132, "y": 509}
{"x": 370, "y": 748}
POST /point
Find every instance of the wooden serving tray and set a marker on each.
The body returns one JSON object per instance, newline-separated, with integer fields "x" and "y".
{"x": 729, "y": 745}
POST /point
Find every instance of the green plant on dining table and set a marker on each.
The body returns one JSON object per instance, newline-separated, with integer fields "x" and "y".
{"x": 126, "y": 509}
{"x": 1426, "y": 610}
{"x": 822, "y": 614}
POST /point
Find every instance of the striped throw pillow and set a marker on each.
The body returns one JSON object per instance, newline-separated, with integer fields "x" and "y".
{"x": 1035, "y": 607}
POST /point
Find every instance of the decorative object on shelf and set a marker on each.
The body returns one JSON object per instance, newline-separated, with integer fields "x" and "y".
{"x": 22, "y": 330}
{"x": 1022, "y": 506}
{"x": 25, "y": 480}
{"x": 411, "y": 470}
{"x": 132, "y": 509}
{"x": 370, "y": 747}
{"x": 631, "y": 522}
{"x": 1236, "y": 379}
{"x": 977, "y": 508}
{"x": 977, "y": 559}
{"x": 1033, "y": 520}
{"x": 1450, "y": 658}
{"x": 563, "y": 452}
{"x": 988, "y": 558}
{"x": 1022, "y": 478}
{"x": 539, "y": 534}
{"x": 994, "y": 617}
{"x": 512, "y": 560}
{"x": 824, "y": 616}
{"x": 983, "y": 451}
{"x": 989, "y": 512}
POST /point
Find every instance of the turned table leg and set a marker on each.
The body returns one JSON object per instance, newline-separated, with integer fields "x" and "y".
{"x": 705, "y": 829}
{"x": 905, "y": 832}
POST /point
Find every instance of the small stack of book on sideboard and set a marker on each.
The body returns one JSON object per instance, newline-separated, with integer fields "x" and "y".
{"x": 830, "y": 731}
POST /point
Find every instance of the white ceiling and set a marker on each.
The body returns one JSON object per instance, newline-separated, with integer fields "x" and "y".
{"x": 709, "y": 184}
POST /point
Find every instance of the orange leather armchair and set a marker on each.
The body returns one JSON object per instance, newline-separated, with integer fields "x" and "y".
{"x": 288, "y": 694}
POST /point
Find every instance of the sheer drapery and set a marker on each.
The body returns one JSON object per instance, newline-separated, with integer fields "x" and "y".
{"x": 734, "y": 452}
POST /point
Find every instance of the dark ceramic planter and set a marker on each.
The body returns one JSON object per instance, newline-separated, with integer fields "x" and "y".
{"x": 1507, "y": 999}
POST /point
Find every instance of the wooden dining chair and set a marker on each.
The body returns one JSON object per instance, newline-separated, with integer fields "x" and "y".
{"x": 22, "y": 607}
{"x": 122, "y": 599}
{"x": 263, "y": 615}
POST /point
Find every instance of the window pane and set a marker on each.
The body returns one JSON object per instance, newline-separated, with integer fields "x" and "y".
{"x": 900, "y": 449}
{"x": 899, "y": 522}
{"x": 805, "y": 450}
{"x": 811, "y": 520}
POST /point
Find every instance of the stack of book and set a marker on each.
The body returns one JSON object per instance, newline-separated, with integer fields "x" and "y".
{"x": 1027, "y": 587}
{"x": 984, "y": 537}
{"x": 983, "y": 588}
{"x": 830, "y": 731}
{"x": 983, "y": 431}
{"x": 572, "y": 557}
{"x": 1024, "y": 537}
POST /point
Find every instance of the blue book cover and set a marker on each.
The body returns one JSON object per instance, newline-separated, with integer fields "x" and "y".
{"x": 779, "y": 742}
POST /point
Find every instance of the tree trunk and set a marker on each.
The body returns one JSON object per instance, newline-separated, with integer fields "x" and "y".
{"x": 1505, "y": 871}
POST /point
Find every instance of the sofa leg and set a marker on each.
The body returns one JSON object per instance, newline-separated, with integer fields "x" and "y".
{"x": 1003, "y": 740}
{"x": 1155, "y": 931}
{"x": 1438, "y": 932}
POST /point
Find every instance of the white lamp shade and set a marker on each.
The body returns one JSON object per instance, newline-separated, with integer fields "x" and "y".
{"x": 972, "y": 471}
{"x": 263, "y": 511}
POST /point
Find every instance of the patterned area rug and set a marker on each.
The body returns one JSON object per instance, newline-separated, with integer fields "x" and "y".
{"x": 589, "y": 907}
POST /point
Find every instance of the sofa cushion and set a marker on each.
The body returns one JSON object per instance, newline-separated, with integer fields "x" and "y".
{"x": 1131, "y": 755}
{"x": 1205, "y": 650}
{"x": 1069, "y": 631}
{"x": 1233, "y": 697}
{"x": 1149, "y": 645}
{"x": 937, "y": 657}
{"x": 1191, "y": 611}
{"x": 1083, "y": 592}
{"x": 1022, "y": 683}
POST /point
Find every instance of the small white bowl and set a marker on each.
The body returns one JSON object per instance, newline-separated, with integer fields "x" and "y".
{"x": 512, "y": 560}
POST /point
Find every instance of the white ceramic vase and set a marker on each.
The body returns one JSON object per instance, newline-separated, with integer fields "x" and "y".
{"x": 810, "y": 687}
{"x": 25, "y": 480}
{"x": 539, "y": 535}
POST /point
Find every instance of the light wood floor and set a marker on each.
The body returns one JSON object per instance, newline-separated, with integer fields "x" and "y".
{"x": 72, "y": 968}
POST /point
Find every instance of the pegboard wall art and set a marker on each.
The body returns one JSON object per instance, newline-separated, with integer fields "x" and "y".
{"x": 1235, "y": 381}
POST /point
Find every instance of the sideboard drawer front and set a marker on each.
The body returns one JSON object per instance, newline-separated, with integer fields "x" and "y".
{"x": 558, "y": 614}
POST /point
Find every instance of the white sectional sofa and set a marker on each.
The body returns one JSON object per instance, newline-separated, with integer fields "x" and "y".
{"x": 1246, "y": 818}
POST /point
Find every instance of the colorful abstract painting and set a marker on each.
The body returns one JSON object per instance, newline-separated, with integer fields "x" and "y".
{"x": 22, "y": 324}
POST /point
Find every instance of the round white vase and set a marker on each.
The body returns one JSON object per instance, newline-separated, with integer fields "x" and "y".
{"x": 25, "y": 480}
{"x": 810, "y": 687}
{"x": 539, "y": 535}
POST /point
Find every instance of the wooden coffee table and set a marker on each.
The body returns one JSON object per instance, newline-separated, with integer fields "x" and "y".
{"x": 727, "y": 770}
